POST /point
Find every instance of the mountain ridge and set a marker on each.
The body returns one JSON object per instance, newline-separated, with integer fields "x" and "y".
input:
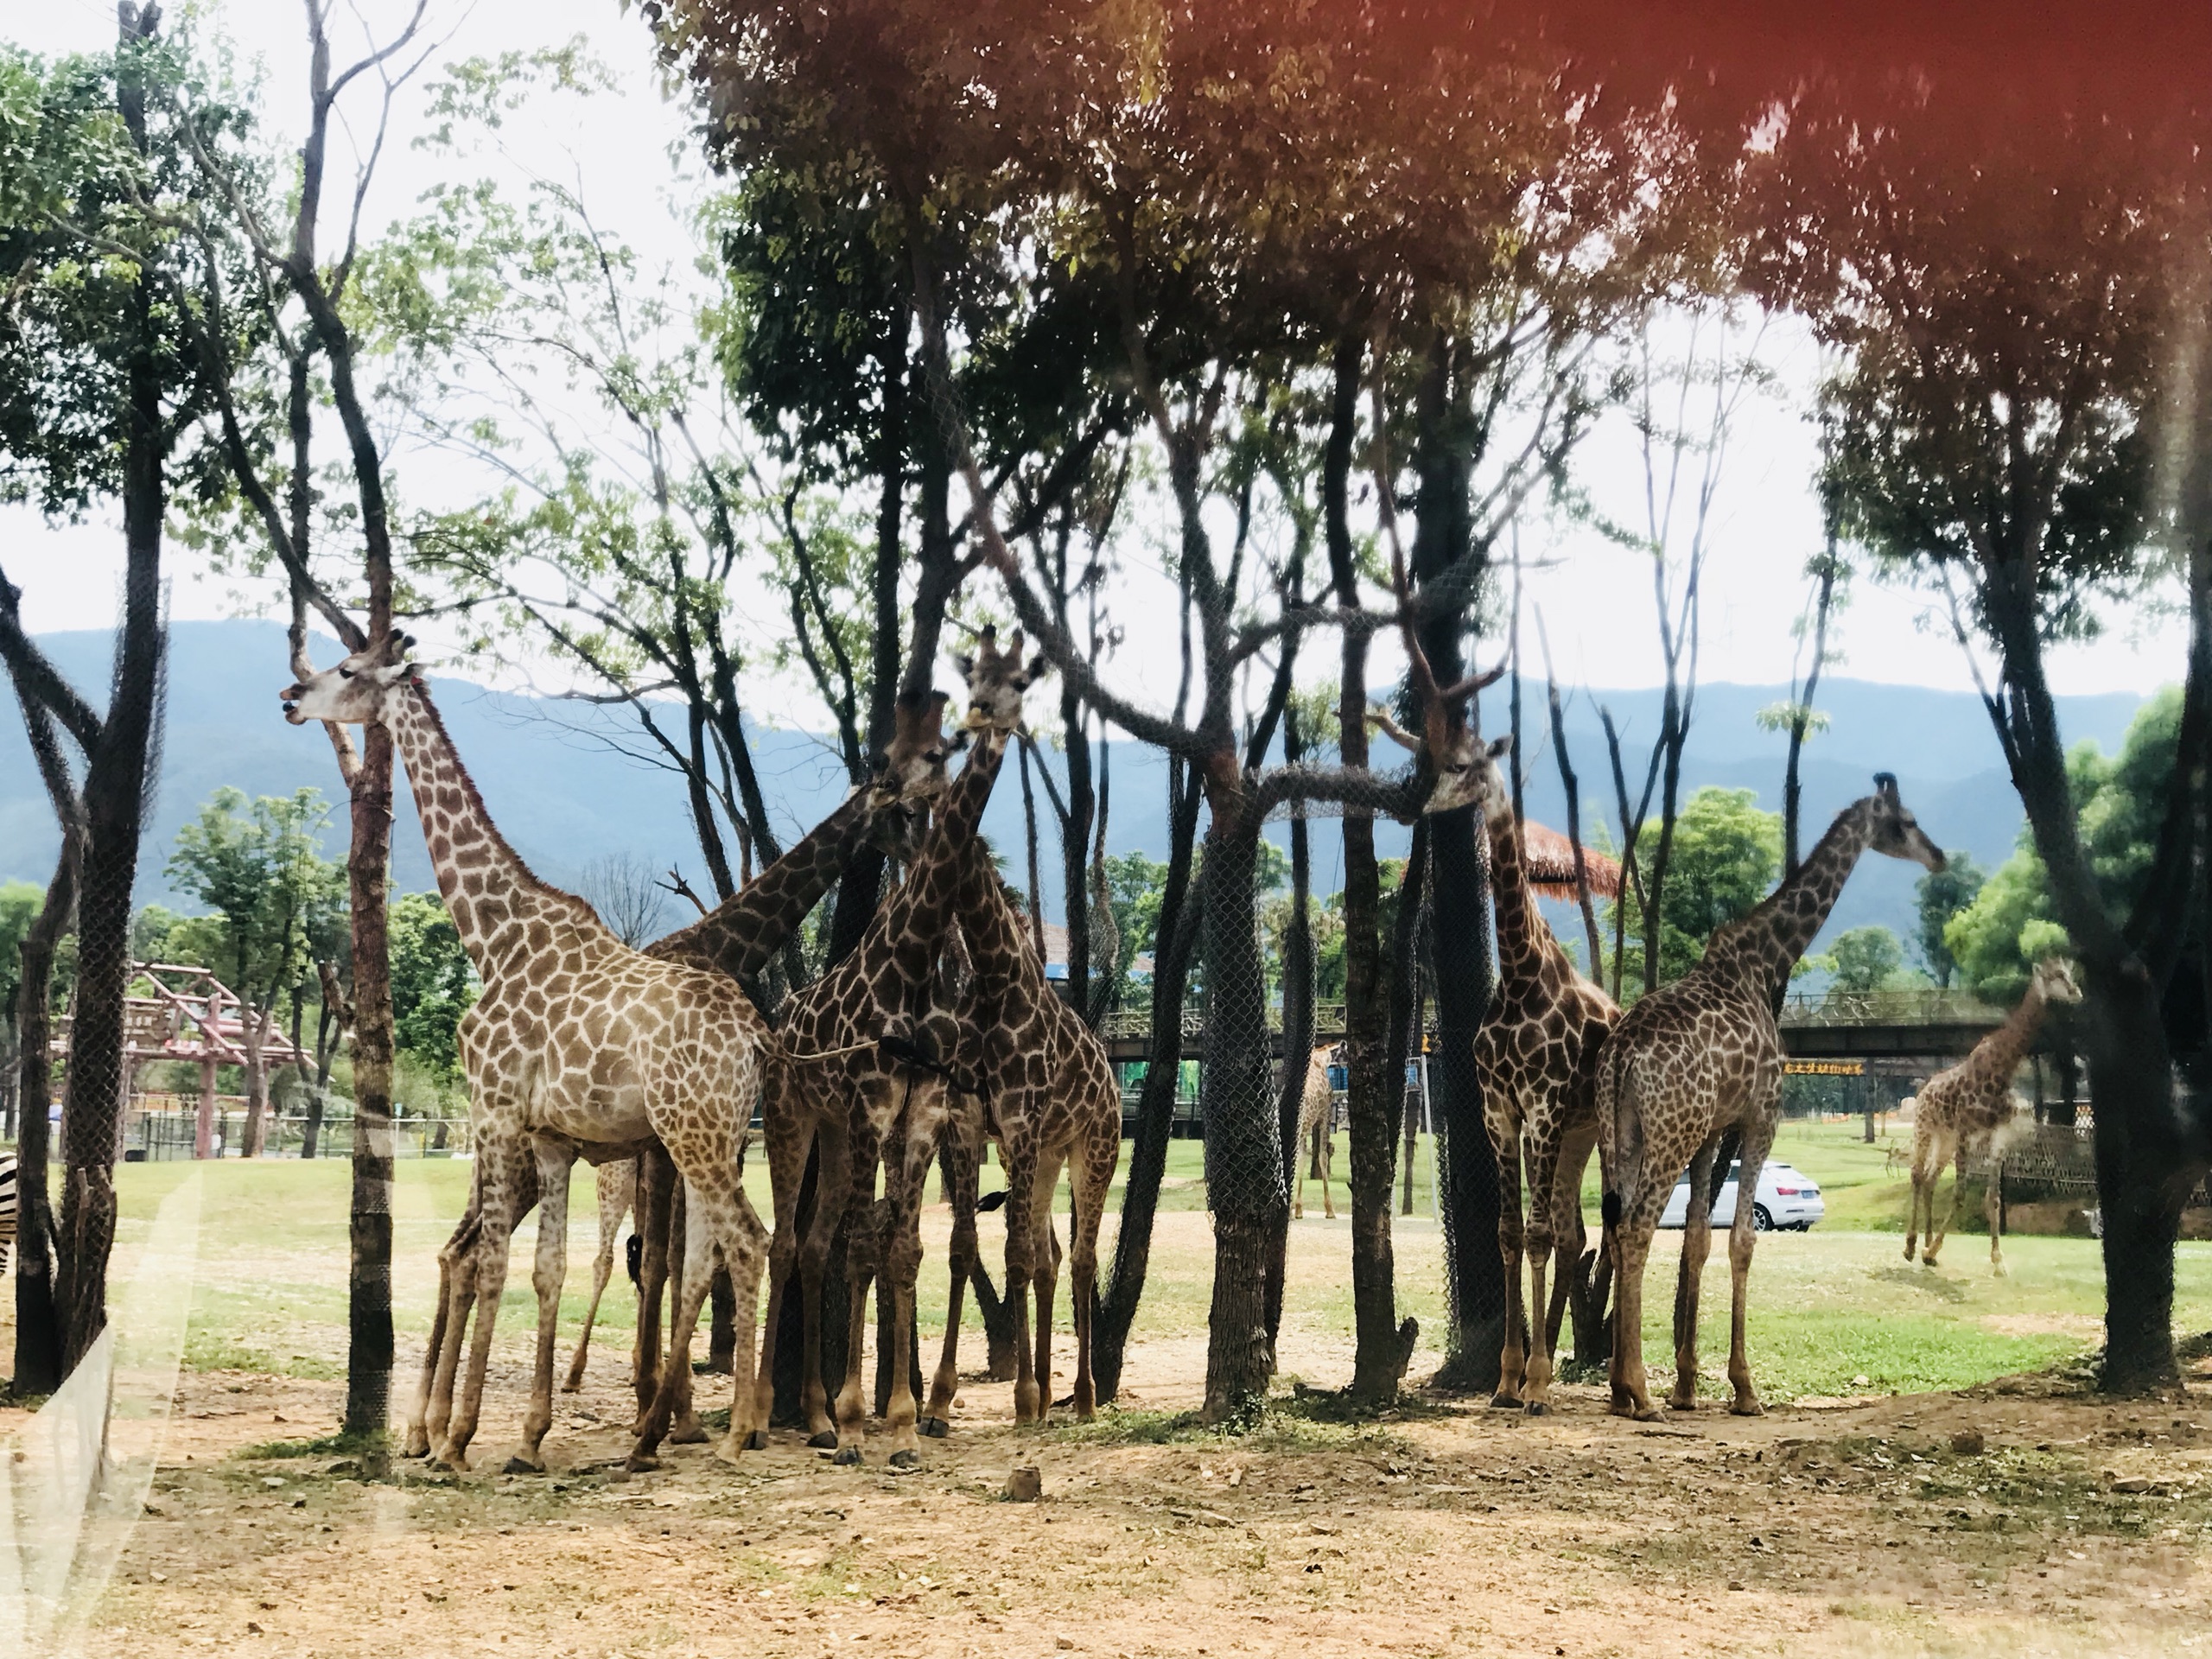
{"x": 567, "y": 784}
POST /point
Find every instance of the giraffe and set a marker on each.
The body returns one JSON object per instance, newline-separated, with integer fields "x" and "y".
{"x": 1536, "y": 1057}
{"x": 1966, "y": 1107}
{"x": 1694, "y": 1060}
{"x": 738, "y": 938}
{"x": 864, "y": 1047}
{"x": 1317, "y": 1113}
{"x": 1046, "y": 1096}
{"x": 575, "y": 1041}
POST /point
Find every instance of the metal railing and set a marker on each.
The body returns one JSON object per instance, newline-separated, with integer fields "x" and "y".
{"x": 159, "y": 1137}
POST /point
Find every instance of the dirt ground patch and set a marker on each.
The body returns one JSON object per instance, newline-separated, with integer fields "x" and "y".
{"x": 2078, "y": 1527}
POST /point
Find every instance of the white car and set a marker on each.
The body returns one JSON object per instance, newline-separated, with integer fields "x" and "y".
{"x": 1786, "y": 1199}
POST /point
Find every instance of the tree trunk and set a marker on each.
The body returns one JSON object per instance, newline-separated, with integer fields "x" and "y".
{"x": 2144, "y": 1176}
{"x": 1297, "y": 1037}
{"x": 253, "y": 1025}
{"x": 1243, "y": 1162}
{"x": 1181, "y": 910}
{"x": 1460, "y": 937}
{"x": 369, "y": 1345}
{"x": 115, "y": 790}
{"x": 1075, "y": 851}
{"x": 1467, "y": 1168}
{"x": 1385, "y": 1344}
{"x": 38, "y": 1329}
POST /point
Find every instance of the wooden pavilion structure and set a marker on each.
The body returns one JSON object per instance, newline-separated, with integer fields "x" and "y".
{"x": 187, "y": 1014}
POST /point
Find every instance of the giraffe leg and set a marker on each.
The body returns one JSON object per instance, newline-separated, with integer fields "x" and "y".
{"x": 1020, "y": 1270}
{"x": 656, "y": 1219}
{"x": 1742, "y": 1238}
{"x": 962, "y": 1145}
{"x": 1953, "y": 1153}
{"x": 1697, "y": 1244}
{"x": 456, "y": 1250}
{"x": 1543, "y": 1232}
{"x": 556, "y": 1159}
{"x": 617, "y": 1185}
{"x": 862, "y": 1262}
{"x": 1631, "y": 1389}
{"x": 1298, "y": 1193}
{"x": 903, "y": 1262}
{"x": 1326, "y": 1131}
{"x": 684, "y": 1428}
{"x": 1992, "y": 1210}
{"x": 1513, "y": 1363}
{"x": 786, "y": 1144}
{"x": 1923, "y": 1182}
{"x": 689, "y": 1293}
{"x": 725, "y": 1226}
{"x": 1958, "y": 1190}
{"x": 490, "y": 1280}
{"x": 1089, "y": 1176}
{"x": 833, "y": 1182}
{"x": 1046, "y": 1280}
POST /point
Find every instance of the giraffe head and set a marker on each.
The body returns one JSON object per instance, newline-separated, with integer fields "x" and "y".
{"x": 1465, "y": 771}
{"x": 2055, "y": 979}
{"x": 353, "y": 693}
{"x": 996, "y": 680}
{"x": 910, "y": 773}
{"x": 1894, "y": 831}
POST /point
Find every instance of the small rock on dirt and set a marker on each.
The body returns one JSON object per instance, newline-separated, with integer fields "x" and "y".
{"x": 1025, "y": 1484}
{"x": 1062, "y": 1645}
{"x": 2132, "y": 1483}
{"x": 1968, "y": 1443}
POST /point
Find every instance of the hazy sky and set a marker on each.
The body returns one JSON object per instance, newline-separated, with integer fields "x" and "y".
{"x": 1596, "y": 599}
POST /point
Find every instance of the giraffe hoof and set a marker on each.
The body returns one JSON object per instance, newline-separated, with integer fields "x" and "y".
{"x": 906, "y": 1460}
{"x": 640, "y": 1463}
{"x": 935, "y": 1427}
{"x": 757, "y": 1440}
{"x": 1649, "y": 1415}
{"x": 849, "y": 1457}
{"x": 691, "y": 1433}
{"x": 1505, "y": 1400}
{"x": 1538, "y": 1408}
{"x": 826, "y": 1440}
{"x": 519, "y": 1465}
{"x": 574, "y": 1385}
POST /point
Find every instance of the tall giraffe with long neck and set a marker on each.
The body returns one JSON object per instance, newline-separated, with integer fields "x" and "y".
{"x": 1537, "y": 1057}
{"x": 1049, "y": 1100}
{"x": 1694, "y": 1060}
{"x": 1962, "y": 1110}
{"x": 742, "y": 934}
{"x": 866, "y": 1053}
{"x": 575, "y": 1041}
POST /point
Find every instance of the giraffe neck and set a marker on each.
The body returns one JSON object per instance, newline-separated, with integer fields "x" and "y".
{"x": 1766, "y": 945}
{"x": 491, "y": 895}
{"x": 997, "y": 943}
{"x": 740, "y": 935}
{"x": 913, "y": 925}
{"x": 1525, "y": 944}
{"x": 2002, "y": 1048}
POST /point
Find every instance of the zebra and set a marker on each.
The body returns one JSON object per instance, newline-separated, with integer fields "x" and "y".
{"x": 7, "y": 1209}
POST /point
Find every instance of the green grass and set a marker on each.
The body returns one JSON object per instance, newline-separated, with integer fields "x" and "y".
{"x": 1828, "y": 1308}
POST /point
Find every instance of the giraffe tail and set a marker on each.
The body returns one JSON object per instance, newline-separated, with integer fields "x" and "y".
{"x": 1620, "y": 1139}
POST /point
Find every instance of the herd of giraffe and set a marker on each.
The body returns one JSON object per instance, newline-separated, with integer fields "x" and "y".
{"x": 940, "y": 1033}
{"x": 938, "y": 1030}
